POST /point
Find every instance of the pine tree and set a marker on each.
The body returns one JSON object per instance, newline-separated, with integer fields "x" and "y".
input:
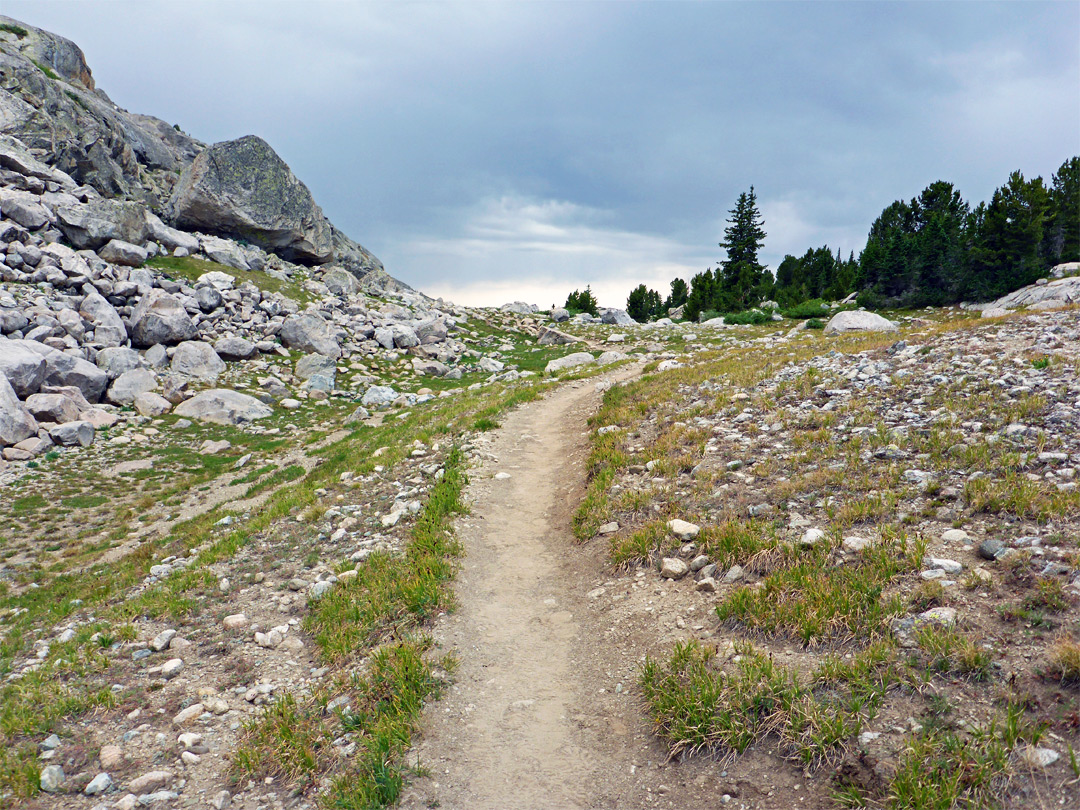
{"x": 743, "y": 279}
{"x": 643, "y": 304}
{"x": 1063, "y": 229}
{"x": 679, "y": 291}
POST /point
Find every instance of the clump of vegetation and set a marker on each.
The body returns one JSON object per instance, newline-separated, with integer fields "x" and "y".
{"x": 1063, "y": 661}
{"x": 582, "y": 301}
{"x": 48, "y": 71}
{"x": 17, "y": 30}
{"x": 815, "y": 323}
{"x": 814, "y": 308}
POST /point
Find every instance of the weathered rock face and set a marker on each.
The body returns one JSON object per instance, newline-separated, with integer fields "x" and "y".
{"x": 242, "y": 189}
{"x": 23, "y": 367}
{"x": 76, "y": 126}
{"x": 1058, "y": 293}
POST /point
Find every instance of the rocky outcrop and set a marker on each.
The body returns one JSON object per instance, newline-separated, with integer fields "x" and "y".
{"x": 68, "y": 132}
{"x": 48, "y": 100}
{"x": 1055, "y": 294}
{"x": 243, "y": 189}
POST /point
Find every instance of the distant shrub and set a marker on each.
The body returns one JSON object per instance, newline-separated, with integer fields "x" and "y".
{"x": 17, "y": 30}
{"x": 814, "y": 308}
{"x": 815, "y": 323}
{"x": 751, "y": 317}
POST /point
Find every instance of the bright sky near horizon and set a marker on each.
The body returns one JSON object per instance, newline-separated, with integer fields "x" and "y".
{"x": 489, "y": 152}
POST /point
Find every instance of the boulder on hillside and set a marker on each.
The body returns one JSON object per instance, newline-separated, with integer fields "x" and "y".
{"x": 234, "y": 348}
{"x": 197, "y": 359}
{"x": 115, "y": 360}
{"x": 224, "y": 407}
{"x": 160, "y": 318}
{"x": 130, "y": 384}
{"x": 23, "y": 367}
{"x": 93, "y": 225}
{"x": 109, "y": 329}
{"x": 308, "y": 332}
{"x": 117, "y": 251}
{"x": 341, "y": 282}
{"x": 16, "y": 423}
{"x": 553, "y": 337}
{"x": 243, "y": 189}
{"x": 52, "y": 408}
{"x": 570, "y": 361}
{"x": 67, "y": 369}
{"x": 617, "y": 317}
{"x": 317, "y": 371}
{"x": 852, "y": 321}
{"x": 1060, "y": 292}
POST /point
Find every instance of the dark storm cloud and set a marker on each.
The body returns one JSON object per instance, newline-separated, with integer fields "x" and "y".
{"x": 504, "y": 150}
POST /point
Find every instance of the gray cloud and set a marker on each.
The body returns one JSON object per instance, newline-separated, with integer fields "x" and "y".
{"x": 472, "y": 145}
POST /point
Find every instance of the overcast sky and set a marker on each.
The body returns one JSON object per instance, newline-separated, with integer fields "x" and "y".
{"x": 489, "y": 152}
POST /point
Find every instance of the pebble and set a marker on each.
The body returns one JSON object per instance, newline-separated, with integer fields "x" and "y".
{"x": 237, "y": 621}
{"x": 171, "y": 668}
{"x": 811, "y": 537}
{"x": 991, "y": 549}
{"x": 110, "y": 757}
{"x": 151, "y": 781}
{"x": 955, "y": 536}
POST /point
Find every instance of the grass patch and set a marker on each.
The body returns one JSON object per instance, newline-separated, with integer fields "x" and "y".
{"x": 189, "y": 268}
{"x": 815, "y": 603}
{"x": 48, "y": 71}
{"x": 17, "y": 30}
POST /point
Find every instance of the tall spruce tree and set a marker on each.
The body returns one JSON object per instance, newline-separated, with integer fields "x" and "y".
{"x": 743, "y": 279}
{"x": 1063, "y": 229}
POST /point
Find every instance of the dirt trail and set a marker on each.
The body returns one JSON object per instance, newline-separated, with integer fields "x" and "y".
{"x": 540, "y": 713}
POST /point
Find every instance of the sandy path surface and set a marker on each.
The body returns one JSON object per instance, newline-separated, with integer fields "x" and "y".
{"x": 540, "y": 714}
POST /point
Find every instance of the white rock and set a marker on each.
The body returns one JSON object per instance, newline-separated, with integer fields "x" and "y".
{"x": 188, "y": 715}
{"x": 673, "y": 568}
{"x": 683, "y": 529}
{"x": 171, "y": 668}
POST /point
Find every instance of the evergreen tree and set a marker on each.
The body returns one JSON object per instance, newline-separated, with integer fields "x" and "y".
{"x": 679, "y": 291}
{"x": 702, "y": 294}
{"x": 743, "y": 279}
{"x": 1063, "y": 229}
{"x": 643, "y": 304}
{"x": 1006, "y": 252}
{"x": 583, "y": 301}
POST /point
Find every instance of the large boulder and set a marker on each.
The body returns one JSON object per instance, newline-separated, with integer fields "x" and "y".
{"x": 130, "y": 384}
{"x": 553, "y": 337}
{"x": 67, "y": 369}
{"x": 109, "y": 329}
{"x": 433, "y": 331}
{"x": 23, "y": 367}
{"x": 16, "y": 423}
{"x": 856, "y": 321}
{"x": 617, "y": 317}
{"x": 242, "y": 189}
{"x": 117, "y": 251}
{"x": 52, "y": 408}
{"x": 224, "y": 407}
{"x": 160, "y": 318}
{"x": 93, "y": 225}
{"x": 309, "y": 332}
{"x": 196, "y": 359}
{"x": 570, "y": 361}
{"x": 115, "y": 360}
{"x": 341, "y": 282}
{"x": 317, "y": 371}
{"x": 234, "y": 348}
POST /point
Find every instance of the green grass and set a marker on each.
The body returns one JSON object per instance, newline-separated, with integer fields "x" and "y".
{"x": 84, "y": 501}
{"x": 190, "y": 268}
{"x": 816, "y": 603}
{"x": 48, "y": 71}
{"x": 17, "y": 30}
{"x": 29, "y": 503}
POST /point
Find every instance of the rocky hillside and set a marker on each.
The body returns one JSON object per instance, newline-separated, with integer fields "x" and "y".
{"x": 238, "y": 190}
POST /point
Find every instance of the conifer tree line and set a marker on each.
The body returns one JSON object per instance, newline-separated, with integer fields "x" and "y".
{"x": 932, "y": 251}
